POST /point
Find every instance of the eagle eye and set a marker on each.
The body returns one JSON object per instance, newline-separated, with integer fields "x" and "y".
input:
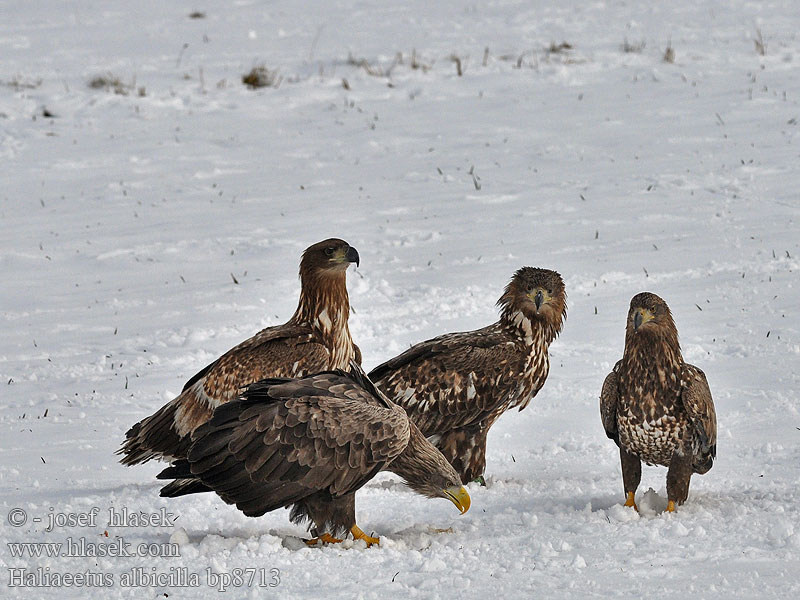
{"x": 329, "y": 251}
{"x": 530, "y": 287}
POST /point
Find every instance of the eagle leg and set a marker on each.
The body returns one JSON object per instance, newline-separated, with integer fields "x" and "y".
{"x": 631, "y": 475}
{"x": 678, "y": 477}
{"x": 325, "y": 538}
{"x": 360, "y": 535}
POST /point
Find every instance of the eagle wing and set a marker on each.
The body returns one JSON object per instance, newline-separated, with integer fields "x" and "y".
{"x": 453, "y": 380}
{"x": 699, "y": 407}
{"x": 609, "y": 397}
{"x": 286, "y": 439}
{"x": 281, "y": 351}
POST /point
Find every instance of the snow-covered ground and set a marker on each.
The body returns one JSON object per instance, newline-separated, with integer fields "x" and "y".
{"x": 567, "y": 142}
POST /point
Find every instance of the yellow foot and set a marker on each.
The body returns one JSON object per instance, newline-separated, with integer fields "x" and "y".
{"x": 360, "y": 535}
{"x": 630, "y": 502}
{"x": 671, "y": 506}
{"x": 325, "y": 538}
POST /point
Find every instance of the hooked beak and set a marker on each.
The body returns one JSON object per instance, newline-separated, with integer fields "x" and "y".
{"x": 459, "y": 497}
{"x": 538, "y": 299}
{"x": 641, "y": 316}
{"x": 352, "y": 255}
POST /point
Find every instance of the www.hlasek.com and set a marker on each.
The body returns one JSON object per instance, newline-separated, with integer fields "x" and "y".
{"x": 81, "y": 548}
{"x": 44, "y": 577}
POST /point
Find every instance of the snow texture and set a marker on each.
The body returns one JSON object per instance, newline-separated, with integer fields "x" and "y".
{"x": 154, "y": 221}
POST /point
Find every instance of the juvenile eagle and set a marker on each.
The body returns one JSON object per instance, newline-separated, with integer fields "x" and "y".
{"x": 454, "y": 387}
{"x": 656, "y": 407}
{"x": 311, "y": 443}
{"x": 316, "y": 338}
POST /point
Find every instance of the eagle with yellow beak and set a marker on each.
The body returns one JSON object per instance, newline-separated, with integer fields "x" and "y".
{"x": 311, "y": 443}
{"x": 656, "y": 407}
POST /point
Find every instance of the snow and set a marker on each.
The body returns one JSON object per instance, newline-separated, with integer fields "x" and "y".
{"x": 127, "y": 217}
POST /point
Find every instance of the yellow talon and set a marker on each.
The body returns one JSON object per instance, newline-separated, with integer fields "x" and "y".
{"x": 360, "y": 535}
{"x": 325, "y": 538}
{"x": 630, "y": 502}
{"x": 671, "y": 506}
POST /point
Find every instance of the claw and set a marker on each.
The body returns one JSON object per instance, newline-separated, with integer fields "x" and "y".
{"x": 325, "y": 538}
{"x": 360, "y": 535}
{"x": 629, "y": 501}
{"x": 671, "y": 506}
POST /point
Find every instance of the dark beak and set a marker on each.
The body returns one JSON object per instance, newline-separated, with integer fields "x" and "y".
{"x": 637, "y": 320}
{"x": 352, "y": 255}
{"x": 538, "y": 299}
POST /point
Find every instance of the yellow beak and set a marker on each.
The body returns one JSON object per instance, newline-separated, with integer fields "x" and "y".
{"x": 459, "y": 497}
{"x": 641, "y": 317}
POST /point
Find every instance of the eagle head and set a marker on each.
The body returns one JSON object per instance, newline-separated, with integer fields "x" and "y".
{"x": 427, "y": 472}
{"x": 649, "y": 319}
{"x": 539, "y": 294}
{"x": 328, "y": 256}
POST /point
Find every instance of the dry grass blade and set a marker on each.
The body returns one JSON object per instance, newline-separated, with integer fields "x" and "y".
{"x": 559, "y": 48}
{"x": 459, "y": 66}
{"x": 110, "y": 82}
{"x": 761, "y": 47}
{"x": 364, "y": 64}
{"x": 260, "y": 76}
{"x": 669, "y": 54}
{"x": 634, "y": 48}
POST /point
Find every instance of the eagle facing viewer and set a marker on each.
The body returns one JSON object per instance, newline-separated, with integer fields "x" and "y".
{"x": 657, "y": 408}
{"x": 311, "y": 443}
{"x": 455, "y": 386}
{"x": 316, "y": 338}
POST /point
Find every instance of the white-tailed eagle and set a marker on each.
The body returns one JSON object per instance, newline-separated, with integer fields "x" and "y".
{"x": 310, "y": 443}
{"x": 455, "y": 386}
{"x": 656, "y": 407}
{"x": 316, "y": 338}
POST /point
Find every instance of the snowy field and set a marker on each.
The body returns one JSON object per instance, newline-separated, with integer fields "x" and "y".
{"x": 152, "y": 222}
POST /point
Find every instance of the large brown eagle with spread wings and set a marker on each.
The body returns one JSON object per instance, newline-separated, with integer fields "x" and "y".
{"x": 310, "y": 444}
{"x": 316, "y": 338}
{"x": 656, "y": 407}
{"x": 454, "y": 387}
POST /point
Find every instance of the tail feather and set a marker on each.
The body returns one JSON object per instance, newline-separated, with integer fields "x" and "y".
{"x": 177, "y": 470}
{"x": 182, "y": 487}
{"x": 155, "y": 437}
{"x": 184, "y": 482}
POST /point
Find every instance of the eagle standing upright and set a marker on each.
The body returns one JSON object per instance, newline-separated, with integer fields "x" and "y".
{"x": 455, "y": 386}
{"x": 316, "y": 338}
{"x": 656, "y": 407}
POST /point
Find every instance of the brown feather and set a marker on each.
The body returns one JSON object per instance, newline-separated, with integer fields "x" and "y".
{"x": 254, "y": 459}
{"x": 454, "y": 387}
{"x": 657, "y": 408}
{"x": 316, "y": 338}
